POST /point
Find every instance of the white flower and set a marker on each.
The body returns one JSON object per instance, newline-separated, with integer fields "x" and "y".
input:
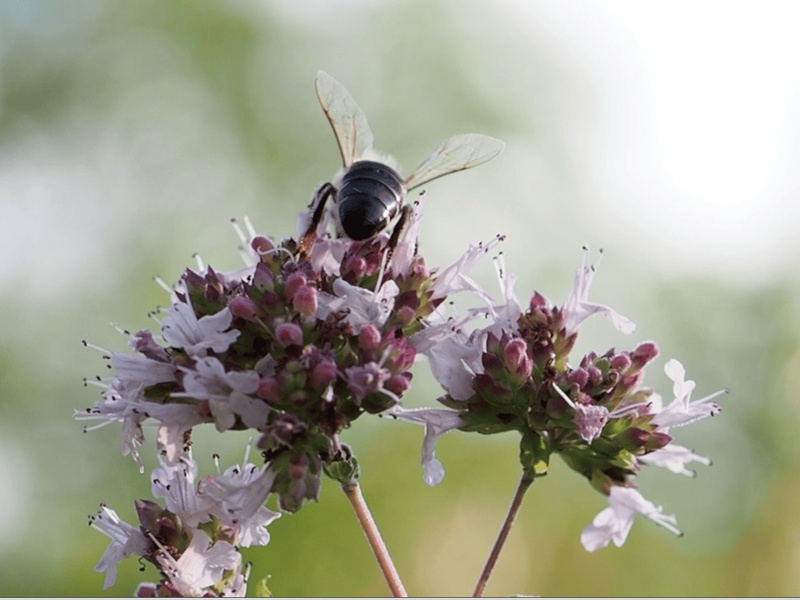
{"x": 126, "y": 540}
{"x": 137, "y": 370}
{"x": 361, "y": 305}
{"x": 449, "y": 350}
{"x": 614, "y": 522}
{"x": 327, "y": 255}
{"x": 577, "y": 307}
{"x": 366, "y": 379}
{"x": 200, "y": 566}
{"x": 590, "y": 418}
{"x": 454, "y": 278}
{"x": 227, "y": 392}
{"x": 406, "y": 248}
{"x": 176, "y": 483}
{"x": 437, "y": 422}
{"x": 124, "y": 403}
{"x": 675, "y": 458}
{"x": 182, "y": 329}
{"x": 239, "y": 495}
{"x": 505, "y": 316}
{"x": 682, "y": 411}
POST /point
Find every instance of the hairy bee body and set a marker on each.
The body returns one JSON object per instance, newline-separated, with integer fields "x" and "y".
{"x": 370, "y": 195}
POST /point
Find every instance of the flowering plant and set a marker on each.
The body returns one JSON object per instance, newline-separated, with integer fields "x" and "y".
{"x": 321, "y": 330}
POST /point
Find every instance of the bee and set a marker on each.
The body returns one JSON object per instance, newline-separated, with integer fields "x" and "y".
{"x": 369, "y": 194}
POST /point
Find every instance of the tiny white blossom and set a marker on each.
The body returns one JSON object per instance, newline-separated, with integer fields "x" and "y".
{"x": 126, "y": 540}
{"x": 437, "y": 422}
{"x": 590, "y": 418}
{"x": 406, "y": 248}
{"x": 675, "y": 458}
{"x": 124, "y": 403}
{"x": 449, "y": 350}
{"x": 577, "y": 307}
{"x": 238, "y": 497}
{"x": 200, "y": 566}
{"x": 366, "y": 379}
{"x": 176, "y": 483}
{"x": 454, "y": 278}
{"x": 182, "y": 329}
{"x": 362, "y": 306}
{"x": 327, "y": 255}
{"x": 682, "y": 410}
{"x": 227, "y": 393}
{"x": 613, "y": 523}
{"x": 140, "y": 370}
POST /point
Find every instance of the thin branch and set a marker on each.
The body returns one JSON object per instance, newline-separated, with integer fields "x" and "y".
{"x": 524, "y": 483}
{"x": 353, "y": 493}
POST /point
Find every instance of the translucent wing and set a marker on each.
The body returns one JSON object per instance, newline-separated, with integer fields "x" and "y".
{"x": 455, "y": 154}
{"x": 347, "y": 119}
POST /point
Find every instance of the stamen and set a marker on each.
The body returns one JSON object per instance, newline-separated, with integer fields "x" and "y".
{"x": 163, "y": 285}
{"x": 564, "y": 396}
{"x": 201, "y": 266}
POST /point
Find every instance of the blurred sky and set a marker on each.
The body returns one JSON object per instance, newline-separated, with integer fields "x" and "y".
{"x": 664, "y": 132}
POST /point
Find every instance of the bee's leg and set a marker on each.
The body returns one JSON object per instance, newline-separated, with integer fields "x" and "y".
{"x": 398, "y": 230}
{"x": 321, "y": 195}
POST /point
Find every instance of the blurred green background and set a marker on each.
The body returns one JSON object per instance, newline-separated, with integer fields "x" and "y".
{"x": 131, "y": 132}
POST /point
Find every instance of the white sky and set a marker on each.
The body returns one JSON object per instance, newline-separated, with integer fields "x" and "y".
{"x": 725, "y": 82}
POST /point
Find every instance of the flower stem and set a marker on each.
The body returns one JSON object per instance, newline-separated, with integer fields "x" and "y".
{"x": 524, "y": 483}
{"x": 353, "y": 492}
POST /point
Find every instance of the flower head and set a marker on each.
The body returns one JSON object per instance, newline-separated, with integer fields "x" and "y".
{"x": 517, "y": 373}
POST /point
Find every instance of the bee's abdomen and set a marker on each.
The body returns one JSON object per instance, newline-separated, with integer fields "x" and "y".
{"x": 370, "y": 196}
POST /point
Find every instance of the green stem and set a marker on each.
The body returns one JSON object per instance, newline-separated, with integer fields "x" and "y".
{"x": 353, "y": 493}
{"x": 524, "y": 483}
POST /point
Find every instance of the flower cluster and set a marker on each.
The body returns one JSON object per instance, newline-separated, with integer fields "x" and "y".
{"x": 309, "y": 336}
{"x": 316, "y": 332}
{"x": 516, "y": 374}
{"x": 193, "y": 541}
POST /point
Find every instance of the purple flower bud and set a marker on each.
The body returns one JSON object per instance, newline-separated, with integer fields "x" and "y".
{"x": 146, "y": 590}
{"x": 397, "y": 384}
{"x": 305, "y": 301}
{"x": 515, "y": 356}
{"x": 621, "y": 362}
{"x": 595, "y": 375}
{"x": 644, "y": 353}
{"x": 262, "y": 245}
{"x": 289, "y": 334}
{"x": 323, "y": 374}
{"x": 146, "y": 344}
{"x": 538, "y": 302}
{"x": 244, "y": 308}
{"x": 637, "y": 436}
{"x": 269, "y": 389}
{"x": 369, "y": 338}
{"x": 293, "y": 283}
{"x": 405, "y": 315}
{"x": 579, "y": 377}
{"x": 354, "y": 268}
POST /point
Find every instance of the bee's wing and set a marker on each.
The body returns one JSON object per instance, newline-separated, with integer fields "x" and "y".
{"x": 455, "y": 154}
{"x": 347, "y": 119}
